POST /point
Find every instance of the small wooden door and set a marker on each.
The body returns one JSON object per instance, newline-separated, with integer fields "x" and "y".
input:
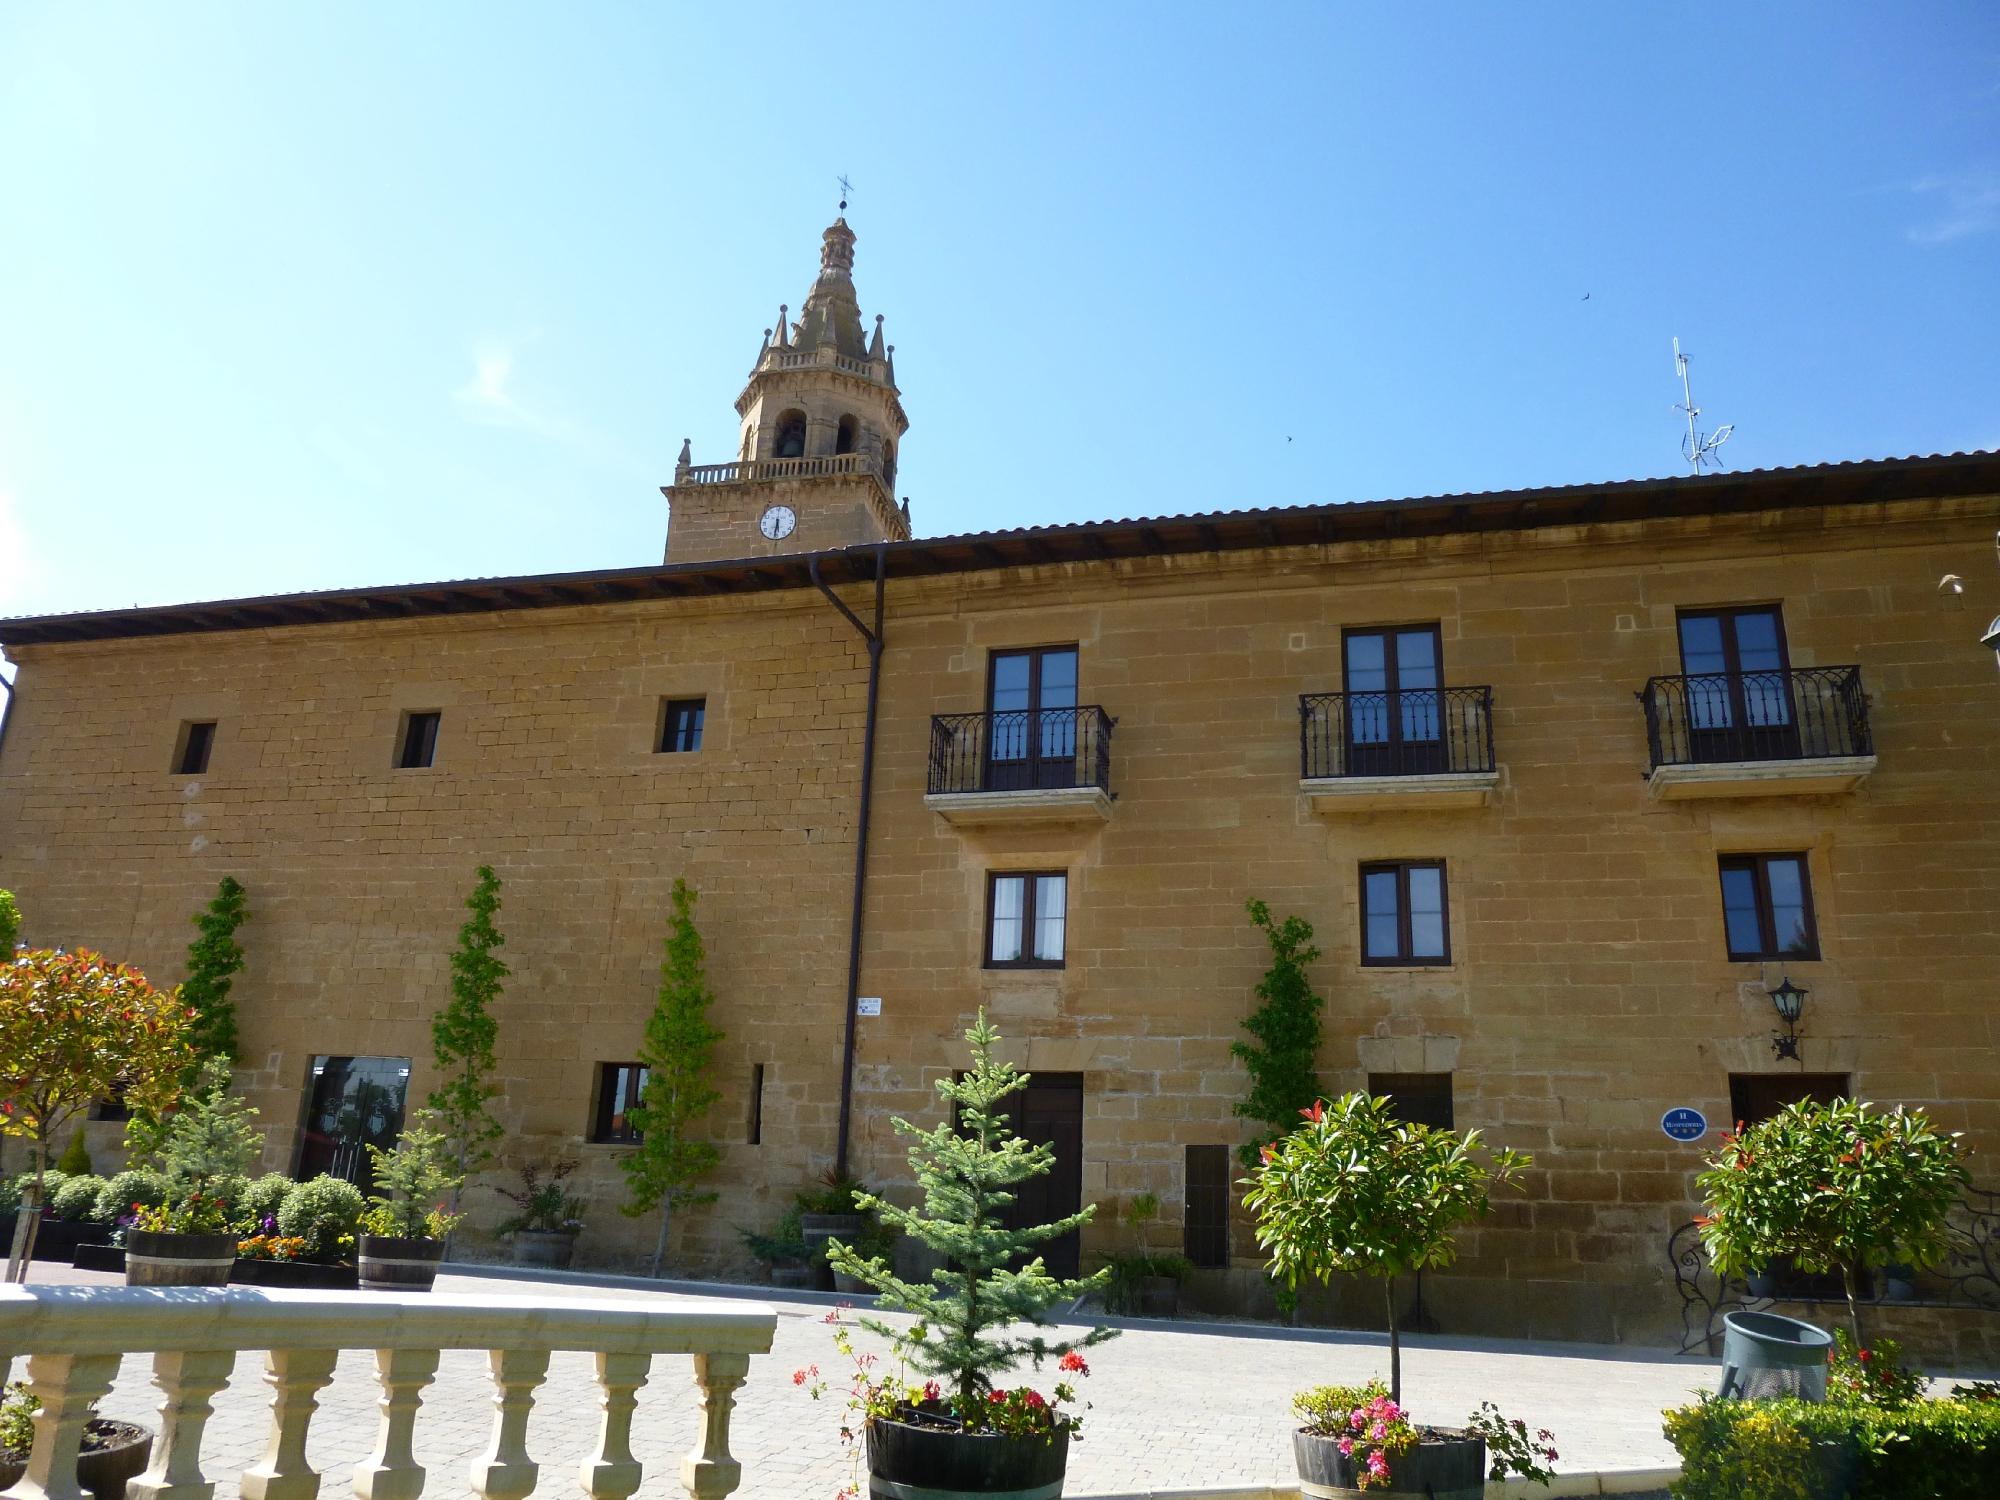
{"x": 1758, "y": 1096}
{"x": 1049, "y": 1111}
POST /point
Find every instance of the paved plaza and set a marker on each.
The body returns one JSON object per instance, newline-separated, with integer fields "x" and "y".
{"x": 1174, "y": 1405}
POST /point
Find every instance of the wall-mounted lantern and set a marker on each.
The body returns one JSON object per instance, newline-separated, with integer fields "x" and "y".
{"x": 1790, "y": 1001}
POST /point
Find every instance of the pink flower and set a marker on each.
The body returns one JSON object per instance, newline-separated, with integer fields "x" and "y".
{"x": 1346, "y": 1447}
{"x": 1357, "y": 1419}
{"x": 932, "y": 1392}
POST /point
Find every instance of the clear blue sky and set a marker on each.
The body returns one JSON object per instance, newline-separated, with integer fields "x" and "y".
{"x": 313, "y": 296}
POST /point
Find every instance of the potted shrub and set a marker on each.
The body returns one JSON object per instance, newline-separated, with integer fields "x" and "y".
{"x": 785, "y": 1252}
{"x": 110, "y": 1452}
{"x": 403, "y": 1233}
{"x": 1833, "y": 1187}
{"x": 1144, "y": 1282}
{"x": 1354, "y": 1189}
{"x": 544, "y": 1231}
{"x": 958, "y": 1432}
{"x": 69, "y": 1220}
{"x": 306, "y": 1241}
{"x": 205, "y": 1148}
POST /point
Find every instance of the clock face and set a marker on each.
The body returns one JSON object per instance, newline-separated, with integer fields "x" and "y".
{"x": 777, "y": 522}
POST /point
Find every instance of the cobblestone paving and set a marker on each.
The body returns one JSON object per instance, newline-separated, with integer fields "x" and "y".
{"x": 1174, "y": 1406}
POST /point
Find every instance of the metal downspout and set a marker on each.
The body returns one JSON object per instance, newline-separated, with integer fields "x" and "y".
{"x": 7, "y": 710}
{"x": 874, "y": 640}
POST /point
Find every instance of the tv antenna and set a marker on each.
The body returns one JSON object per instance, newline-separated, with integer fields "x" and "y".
{"x": 1698, "y": 450}
{"x": 846, "y": 191}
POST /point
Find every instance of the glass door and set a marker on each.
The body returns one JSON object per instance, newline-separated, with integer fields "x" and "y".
{"x": 352, "y": 1103}
{"x": 1395, "y": 719}
{"x": 1031, "y": 734}
{"x": 1739, "y": 687}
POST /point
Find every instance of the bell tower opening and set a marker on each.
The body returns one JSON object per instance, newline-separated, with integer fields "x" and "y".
{"x": 823, "y": 388}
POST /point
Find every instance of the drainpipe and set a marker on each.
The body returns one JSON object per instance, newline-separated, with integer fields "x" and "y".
{"x": 874, "y": 640}
{"x": 7, "y": 710}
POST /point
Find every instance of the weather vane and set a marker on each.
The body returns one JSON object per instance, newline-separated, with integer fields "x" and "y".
{"x": 1698, "y": 450}
{"x": 846, "y": 188}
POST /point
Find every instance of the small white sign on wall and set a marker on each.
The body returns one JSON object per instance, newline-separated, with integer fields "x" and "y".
{"x": 868, "y": 1005}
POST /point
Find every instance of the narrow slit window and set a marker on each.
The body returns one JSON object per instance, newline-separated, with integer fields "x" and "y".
{"x": 191, "y": 755}
{"x": 419, "y": 742}
{"x": 681, "y": 722}
{"x": 1027, "y": 916}
{"x": 756, "y": 1132}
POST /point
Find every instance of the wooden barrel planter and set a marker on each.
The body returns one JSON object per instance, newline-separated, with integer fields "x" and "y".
{"x": 301, "y": 1275}
{"x": 1443, "y": 1466}
{"x": 908, "y": 1461}
{"x": 397, "y": 1263}
{"x": 157, "y": 1258}
{"x": 112, "y": 1453}
{"x": 544, "y": 1247}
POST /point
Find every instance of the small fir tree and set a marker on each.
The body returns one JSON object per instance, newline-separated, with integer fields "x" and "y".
{"x": 10, "y": 924}
{"x": 411, "y": 1180}
{"x": 661, "y": 1170}
{"x": 992, "y": 1281}
{"x": 209, "y": 1144}
{"x": 463, "y": 1034}
{"x": 1285, "y": 1029}
{"x": 214, "y": 959}
{"x": 75, "y": 1028}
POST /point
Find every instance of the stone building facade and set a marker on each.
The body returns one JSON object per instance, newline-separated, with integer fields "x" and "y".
{"x": 1567, "y": 781}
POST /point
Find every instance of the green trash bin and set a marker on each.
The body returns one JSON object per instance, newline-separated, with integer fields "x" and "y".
{"x": 1765, "y": 1355}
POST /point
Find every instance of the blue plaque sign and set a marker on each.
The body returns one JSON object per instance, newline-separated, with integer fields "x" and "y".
{"x": 1684, "y": 1124}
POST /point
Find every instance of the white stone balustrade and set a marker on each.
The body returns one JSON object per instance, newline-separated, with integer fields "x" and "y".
{"x": 74, "y": 1337}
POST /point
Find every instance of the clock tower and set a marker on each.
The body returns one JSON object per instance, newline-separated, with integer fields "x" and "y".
{"x": 822, "y": 421}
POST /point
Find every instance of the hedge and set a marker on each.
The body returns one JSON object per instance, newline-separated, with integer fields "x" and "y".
{"x": 1799, "y": 1450}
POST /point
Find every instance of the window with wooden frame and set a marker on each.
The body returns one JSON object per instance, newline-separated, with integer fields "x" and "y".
{"x": 191, "y": 747}
{"x": 1031, "y": 718}
{"x": 618, "y": 1088}
{"x": 1205, "y": 1221}
{"x": 416, "y": 746}
{"x": 1026, "y": 913}
{"x": 1767, "y": 910}
{"x": 1403, "y": 914}
{"x": 1415, "y": 1098}
{"x": 681, "y": 721}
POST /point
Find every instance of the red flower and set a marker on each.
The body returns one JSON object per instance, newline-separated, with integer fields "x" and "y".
{"x": 1863, "y": 1355}
{"x": 932, "y": 1392}
{"x": 1317, "y": 1113}
{"x": 1268, "y": 1154}
{"x": 1074, "y": 1363}
{"x": 1035, "y": 1399}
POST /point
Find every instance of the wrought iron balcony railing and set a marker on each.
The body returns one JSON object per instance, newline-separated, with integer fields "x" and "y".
{"x": 1800, "y": 713}
{"x": 1404, "y": 732}
{"x": 1021, "y": 750}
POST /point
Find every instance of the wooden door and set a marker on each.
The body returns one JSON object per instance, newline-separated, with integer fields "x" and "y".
{"x": 1049, "y": 1111}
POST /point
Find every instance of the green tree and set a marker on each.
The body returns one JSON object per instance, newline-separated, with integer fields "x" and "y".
{"x": 1835, "y": 1187}
{"x": 1356, "y": 1189}
{"x": 409, "y": 1179}
{"x": 75, "y": 1160}
{"x": 1285, "y": 1029}
{"x": 74, "y": 1027}
{"x": 214, "y": 959}
{"x": 992, "y": 1281}
{"x": 463, "y": 1034}
{"x": 669, "y": 1158}
{"x": 209, "y": 1144}
{"x": 10, "y": 924}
